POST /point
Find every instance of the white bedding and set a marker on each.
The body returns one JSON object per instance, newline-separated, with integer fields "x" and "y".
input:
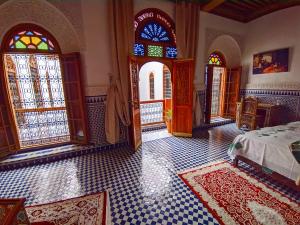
{"x": 269, "y": 147}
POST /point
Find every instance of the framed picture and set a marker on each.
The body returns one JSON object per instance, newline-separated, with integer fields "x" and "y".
{"x": 271, "y": 62}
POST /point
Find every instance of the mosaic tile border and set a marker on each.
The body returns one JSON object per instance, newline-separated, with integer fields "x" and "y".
{"x": 82, "y": 150}
{"x": 270, "y": 92}
{"x": 154, "y": 127}
{"x": 96, "y": 106}
{"x": 289, "y": 99}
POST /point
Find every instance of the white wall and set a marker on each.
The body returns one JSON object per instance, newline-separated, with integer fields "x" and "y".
{"x": 274, "y": 31}
{"x": 97, "y": 55}
{"x": 216, "y": 34}
{"x": 157, "y": 69}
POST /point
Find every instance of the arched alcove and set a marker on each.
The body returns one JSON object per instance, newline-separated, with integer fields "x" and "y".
{"x": 230, "y": 49}
{"x": 44, "y": 14}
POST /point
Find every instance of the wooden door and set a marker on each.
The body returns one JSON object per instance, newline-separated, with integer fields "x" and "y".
{"x": 208, "y": 92}
{"x": 232, "y": 92}
{"x": 136, "y": 132}
{"x": 74, "y": 96}
{"x": 8, "y": 134}
{"x": 223, "y": 93}
{"x": 183, "y": 84}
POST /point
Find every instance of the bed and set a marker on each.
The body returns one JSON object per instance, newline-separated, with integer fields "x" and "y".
{"x": 270, "y": 148}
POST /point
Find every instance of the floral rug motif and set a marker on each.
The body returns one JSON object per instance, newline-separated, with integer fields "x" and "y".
{"x": 233, "y": 197}
{"x": 89, "y": 209}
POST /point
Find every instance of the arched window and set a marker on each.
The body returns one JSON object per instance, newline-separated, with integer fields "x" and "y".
{"x": 29, "y": 38}
{"x": 151, "y": 86}
{"x": 154, "y": 34}
{"x": 216, "y": 58}
{"x": 35, "y": 86}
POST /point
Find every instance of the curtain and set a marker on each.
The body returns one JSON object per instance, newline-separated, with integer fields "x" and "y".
{"x": 121, "y": 19}
{"x": 187, "y": 29}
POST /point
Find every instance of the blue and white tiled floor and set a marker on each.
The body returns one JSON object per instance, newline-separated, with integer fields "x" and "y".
{"x": 144, "y": 187}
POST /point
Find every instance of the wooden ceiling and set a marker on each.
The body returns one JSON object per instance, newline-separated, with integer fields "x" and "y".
{"x": 245, "y": 10}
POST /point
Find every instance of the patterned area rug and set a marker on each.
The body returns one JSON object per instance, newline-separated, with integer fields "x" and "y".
{"x": 234, "y": 197}
{"x": 90, "y": 209}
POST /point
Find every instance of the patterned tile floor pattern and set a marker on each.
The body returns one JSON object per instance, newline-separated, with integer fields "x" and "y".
{"x": 144, "y": 186}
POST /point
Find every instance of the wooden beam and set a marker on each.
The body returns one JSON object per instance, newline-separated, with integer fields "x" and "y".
{"x": 212, "y": 5}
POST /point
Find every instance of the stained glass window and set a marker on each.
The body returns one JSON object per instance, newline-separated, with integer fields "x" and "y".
{"x": 155, "y": 51}
{"x": 215, "y": 59}
{"x": 171, "y": 52}
{"x": 29, "y": 39}
{"x": 155, "y": 32}
{"x": 139, "y": 49}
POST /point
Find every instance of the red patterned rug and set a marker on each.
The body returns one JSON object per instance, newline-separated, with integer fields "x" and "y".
{"x": 233, "y": 197}
{"x": 90, "y": 209}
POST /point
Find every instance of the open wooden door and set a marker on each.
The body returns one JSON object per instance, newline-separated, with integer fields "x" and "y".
{"x": 208, "y": 92}
{"x": 136, "y": 132}
{"x": 8, "y": 134}
{"x": 183, "y": 84}
{"x": 74, "y": 96}
{"x": 232, "y": 92}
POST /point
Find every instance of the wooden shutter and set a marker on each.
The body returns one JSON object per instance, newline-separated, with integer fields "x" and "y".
{"x": 74, "y": 96}
{"x": 208, "y": 92}
{"x": 183, "y": 84}
{"x": 232, "y": 92}
{"x": 136, "y": 132}
{"x": 8, "y": 133}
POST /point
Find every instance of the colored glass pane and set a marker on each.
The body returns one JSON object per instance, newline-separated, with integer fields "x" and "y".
{"x": 19, "y": 44}
{"x": 37, "y": 33}
{"x": 155, "y": 51}
{"x": 43, "y": 46}
{"x": 31, "y": 46}
{"x": 171, "y": 52}
{"x": 155, "y": 32}
{"x": 25, "y": 39}
{"x": 31, "y": 40}
{"x": 139, "y": 49}
{"x": 50, "y": 43}
{"x": 35, "y": 40}
{"x": 215, "y": 59}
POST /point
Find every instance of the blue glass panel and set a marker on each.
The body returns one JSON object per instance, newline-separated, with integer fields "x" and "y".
{"x": 155, "y": 32}
{"x": 17, "y": 37}
{"x": 171, "y": 52}
{"x": 44, "y": 39}
{"x": 139, "y": 49}
{"x": 29, "y": 33}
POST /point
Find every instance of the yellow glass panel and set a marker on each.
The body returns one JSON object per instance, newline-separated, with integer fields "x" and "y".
{"x": 26, "y": 40}
{"x": 35, "y": 40}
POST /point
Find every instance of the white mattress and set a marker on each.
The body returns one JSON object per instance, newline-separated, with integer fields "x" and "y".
{"x": 269, "y": 147}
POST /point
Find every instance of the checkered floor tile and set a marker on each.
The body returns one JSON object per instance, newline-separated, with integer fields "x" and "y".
{"x": 144, "y": 187}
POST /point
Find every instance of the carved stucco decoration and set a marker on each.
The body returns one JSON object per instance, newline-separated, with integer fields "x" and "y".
{"x": 42, "y": 13}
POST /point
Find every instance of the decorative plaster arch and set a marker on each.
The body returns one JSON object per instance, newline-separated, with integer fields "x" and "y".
{"x": 42, "y": 13}
{"x": 229, "y": 47}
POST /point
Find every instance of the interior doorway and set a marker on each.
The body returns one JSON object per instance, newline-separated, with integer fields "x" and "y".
{"x": 155, "y": 92}
{"x": 222, "y": 90}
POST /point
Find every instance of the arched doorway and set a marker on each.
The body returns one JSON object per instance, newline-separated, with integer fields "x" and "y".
{"x": 36, "y": 94}
{"x": 217, "y": 60}
{"x": 222, "y": 89}
{"x": 155, "y": 89}
{"x": 155, "y": 41}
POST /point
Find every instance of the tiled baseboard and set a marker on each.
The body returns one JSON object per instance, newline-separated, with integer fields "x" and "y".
{"x": 41, "y": 158}
{"x": 289, "y": 99}
{"x": 96, "y": 120}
